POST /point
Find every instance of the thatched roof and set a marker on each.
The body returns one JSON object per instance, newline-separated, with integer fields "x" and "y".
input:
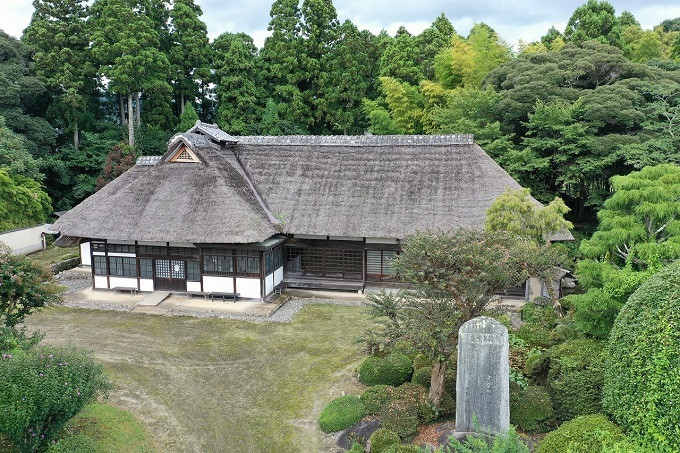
{"x": 364, "y": 186}
{"x": 386, "y": 186}
{"x": 207, "y": 202}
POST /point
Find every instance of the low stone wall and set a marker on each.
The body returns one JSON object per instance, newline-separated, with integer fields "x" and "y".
{"x": 65, "y": 265}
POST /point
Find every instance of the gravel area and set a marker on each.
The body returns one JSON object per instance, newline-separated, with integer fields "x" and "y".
{"x": 75, "y": 281}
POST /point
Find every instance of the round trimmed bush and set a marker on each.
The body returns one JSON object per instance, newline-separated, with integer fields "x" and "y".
{"x": 375, "y": 397}
{"x": 530, "y": 409}
{"x": 421, "y": 361}
{"x": 575, "y": 378}
{"x": 422, "y": 376}
{"x": 341, "y": 413}
{"x": 382, "y": 439}
{"x": 408, "y": 407}
{"x": 642, "y": 383}
{"x": 585, "y": 434}
{"x": 394, "y": 369}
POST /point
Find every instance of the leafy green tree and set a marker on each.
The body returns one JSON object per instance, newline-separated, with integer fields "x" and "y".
{"x": 516, "y": 214}
{"x": 14, "y": 157}
{"x": 58, "y": 34}
{"x": 238, "y": 89}
{"x": 594, "y": 20}
{"x": 432, "y": 41}
{"x": 400, "y": 58}
{"x": 126, "y": 48}
{"x": 640, "y": 45}
{"x": 350, "y": 76}
{"x": 467, "y": 61}
{"x": 189, "y": 50}
{"x": 23, "y": 202}
{"x": 187, "y": 119}
{"x": 26, "y": 286}
{"x": 456, "y": 273}
{"x": 23, "y": 97}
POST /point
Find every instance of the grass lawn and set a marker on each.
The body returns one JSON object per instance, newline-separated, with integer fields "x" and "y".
{"x": 214, "y": 385}
{"x": 53, "y": 254}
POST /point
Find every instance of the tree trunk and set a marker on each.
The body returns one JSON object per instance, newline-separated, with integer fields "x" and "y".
{"x": 138, "y": 116}
{"x": 131, "y": 122}
{"x": 557, "y": 306}
{"x": 181, "y": 104}
{"x": 76, "y": 141}
{"x": 437, "y": 382}
{"x": 121, "y": 104}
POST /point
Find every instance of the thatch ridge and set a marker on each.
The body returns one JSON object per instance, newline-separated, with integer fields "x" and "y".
{"x": 356, "y": 140}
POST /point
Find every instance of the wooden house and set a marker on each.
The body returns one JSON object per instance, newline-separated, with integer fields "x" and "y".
{"x": 218, "y": 213}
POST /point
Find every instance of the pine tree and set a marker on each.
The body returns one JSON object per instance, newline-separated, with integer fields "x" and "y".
{"x": 187, "y": 119}
{"x": 58, "y": 34}
{"x": 189, "y": 50}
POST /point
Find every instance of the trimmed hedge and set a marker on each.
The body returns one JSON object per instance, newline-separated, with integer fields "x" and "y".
{"x": 642, "y": 383}
{"x": 375, "y": 397}
{"x": 394, "y": 369}
{"x": 586, "y": 434}
{"x": 382, "y": 439}
{"x": 530, "y": 408}
{"x": 408, "y": 408}
{"x": 341, "y": 413}
{"x": 78, "y": 443}
{"x": 422, "y": 376}
{"x": 576, "y": 378}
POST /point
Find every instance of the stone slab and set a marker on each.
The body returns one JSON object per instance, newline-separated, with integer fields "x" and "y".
{"x": 154, "y": 298}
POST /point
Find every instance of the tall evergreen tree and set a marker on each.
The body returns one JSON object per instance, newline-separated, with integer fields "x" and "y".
{"x": 432, "y": 41}
{"x": 281, "y": 66}
{"x": 238, "y": 90}
{"x": 189, "y": 50}
{"x": 594, "y": 20}
{"x": 125, "y": 46}
{"x": 400, "y": 58}
{"x": 58, "y": 34}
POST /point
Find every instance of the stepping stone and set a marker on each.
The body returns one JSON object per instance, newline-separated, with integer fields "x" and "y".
{"x": 154, "y": 298}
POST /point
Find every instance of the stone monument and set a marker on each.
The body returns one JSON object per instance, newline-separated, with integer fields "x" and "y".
{"x": 482, "y": 385}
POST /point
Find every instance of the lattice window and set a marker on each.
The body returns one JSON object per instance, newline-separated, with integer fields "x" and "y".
{"x": 184, "y": 154}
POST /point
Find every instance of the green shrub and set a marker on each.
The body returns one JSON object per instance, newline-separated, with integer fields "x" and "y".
{"x": 382, "y": 439}
{"x": 405, "y": 449}
{"x": 421, "y": 361}
{"x": 535, "y": 336}
{"x": 394, "y": 369}
{"x": 575, "y": 378}
{"x": 508, "y": 443}
{"x": 78, "y": 443}
{"x": 447, "y": 406}
{"x": 341, "y": 413}
{"x": 422, "y": 376}
{"x": 585, "y": 434}
{"x": 408, "y": 407}
{"x": 536, "y": 367}
{"x": 356, "y": 448}
{"x": 375, "y": 397}
{"x": 531, "y": 409}
{"x": 642, "y": 384}
{"x": 12, "y": 339}
{"x": 42, "y": 389}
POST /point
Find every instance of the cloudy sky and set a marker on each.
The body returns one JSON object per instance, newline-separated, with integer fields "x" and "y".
{"x": 513, "y": 20}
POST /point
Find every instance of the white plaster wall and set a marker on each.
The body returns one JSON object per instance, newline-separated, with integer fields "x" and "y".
{"x": 218, "y": 284}
{"x": 98, "y": 253}
{"x": 193, "y": 286}
{"x": 269, "y": 284}
{"x": 128, "y": 255}
{"x": 25, "y": 240}
{"x": 146, "y": 284}
{"x": 278, "y": 275}
{"x": 100, "y": 281}
{"x": 381, "y": 241}
{"x": 248, "y": 287}
{"x": 127, "y": 282}
{"x": 85, "y": 258}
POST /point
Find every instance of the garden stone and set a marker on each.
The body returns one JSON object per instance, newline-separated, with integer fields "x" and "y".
{"x": 359, "y": 432}
{"x": 482, "y": 385}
